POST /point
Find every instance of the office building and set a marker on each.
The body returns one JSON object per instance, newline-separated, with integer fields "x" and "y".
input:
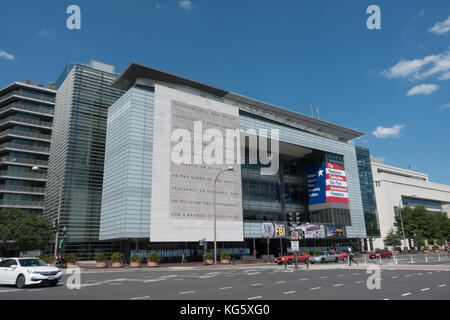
{"x": 26, "y": 119}
{"x": 396, "y": 188}
{"x": 164, "y": 178}
{"x": 77, "y": 151}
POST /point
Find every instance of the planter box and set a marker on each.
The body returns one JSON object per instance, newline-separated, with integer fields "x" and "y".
{"x": 100, "y": 264}
{"x": 152, "y": 264}
{"x": 136, "y": 264}
{"x": 117, "y": 265}
{"x": 426, "y": 251}
{"x": 70, "y": 264}
{"x": 209, "y": 261}
{"x": 225, "y": 261}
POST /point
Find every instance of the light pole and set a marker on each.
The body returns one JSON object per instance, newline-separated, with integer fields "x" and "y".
{"x": 230, "y": 168}
{"x": 55, "y": 252}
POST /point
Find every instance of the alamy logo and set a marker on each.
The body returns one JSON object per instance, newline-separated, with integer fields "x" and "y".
{"x": 74, "y": 280}
{"x": 374, "y": 281}
{"x": 212, "y": 147}
{"x": 374, "y": 20}
{"x": 73, "y": 22}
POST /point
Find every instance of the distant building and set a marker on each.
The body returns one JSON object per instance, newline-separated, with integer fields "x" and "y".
{"x": 26, "y": 119}
{"x": 397, "y": 187}
{"x": 77, "y": 153}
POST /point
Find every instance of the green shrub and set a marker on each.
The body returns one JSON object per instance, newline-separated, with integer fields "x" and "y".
{"x": 47, "y": 258}
{"x": 70, "y": 258}
{"x": 317, "y": 252}
{"x": 135, "y": 258}
{"x": 208, "y": 255}
{"x": 225, "y": 255}
{"x": 117, "y": 257}
{"x": 101, "y": 257}
{"x": 153, "y": 256}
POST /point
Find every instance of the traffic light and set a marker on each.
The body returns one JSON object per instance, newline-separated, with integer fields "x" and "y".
{"x": 290, "y": 218}
{"x": 297, "y": 217}
{"x": 55, "y": 225}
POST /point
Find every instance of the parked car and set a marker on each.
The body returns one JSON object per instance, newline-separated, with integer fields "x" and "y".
{"x": 2, "y": 259}
{"x": 382, "y": 253}
{"x": 289, "y": 258}
{"x": 324, "y": 257}
{"x": 343, "y": 256}
{"x": 28, "y": 271}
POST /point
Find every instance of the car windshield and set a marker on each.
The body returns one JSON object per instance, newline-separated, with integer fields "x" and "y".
{"x": 32, "y": 263}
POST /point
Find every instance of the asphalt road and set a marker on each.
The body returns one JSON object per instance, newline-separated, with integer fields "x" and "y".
{"x": 247, "y": 283}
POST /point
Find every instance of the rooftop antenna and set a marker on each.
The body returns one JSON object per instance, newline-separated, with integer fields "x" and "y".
{"x": 312, "y": 112}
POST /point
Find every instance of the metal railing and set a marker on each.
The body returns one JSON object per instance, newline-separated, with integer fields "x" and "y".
{"x": 26, "y": 121}
{"x": 24, "y": 147}
{"x": 20, "y": 106}
{"x": 19, "y": 189}
{"x": 33, "y": 162}
{"x": 25, "y": 175}
{"x": 22, "y": 93}
{"x": 27, "y": 134}
{"x": 21, "y": 204}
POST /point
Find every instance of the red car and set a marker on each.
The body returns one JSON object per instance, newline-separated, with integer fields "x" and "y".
{"x": 343, "y": 256}
{"x": 380, "y": 253}
{"x": 301, "y": 257}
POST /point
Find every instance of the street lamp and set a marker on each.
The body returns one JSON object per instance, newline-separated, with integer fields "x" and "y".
{"x": 230, "y": 168}
{"x": 401, "y": 219}
{"x": 55, "y": 252}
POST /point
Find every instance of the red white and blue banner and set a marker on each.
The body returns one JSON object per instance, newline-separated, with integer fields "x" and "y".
{"x": 327, "y": 183}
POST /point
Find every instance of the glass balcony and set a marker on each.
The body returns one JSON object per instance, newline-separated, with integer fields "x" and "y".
{"x": 25, "y": 134}
{"x": 11, "y": 174}
{"x": 21, "y": 189}
{"x": 24, "y": 147}
{"x": 19, "y": 161}
{"x": 25, "y": 121}
{"x": 21, "y": 204}
{"x": 27, "y": 108}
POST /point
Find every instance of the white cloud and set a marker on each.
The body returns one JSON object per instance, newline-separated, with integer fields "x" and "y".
{"x": 42, "y": 33}
{"x": 441, "y": 27}
{"x": 423, "y": 89}
{"x": 185, "y": 4}
{"x": 393, "y": 132}
{"x": 445, "y": 106}
{"x": 431, "y": 65}
{"x": 6, "y": 55}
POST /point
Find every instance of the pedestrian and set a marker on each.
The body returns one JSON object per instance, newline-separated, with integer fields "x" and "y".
{"x": 350, "y": 257}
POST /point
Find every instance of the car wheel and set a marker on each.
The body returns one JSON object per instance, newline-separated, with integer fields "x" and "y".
{"x": 337, "y": 260}
{"x": 322, "y": 261}
{"x": 344, "y": 259}
{"x": 20, "y": 281}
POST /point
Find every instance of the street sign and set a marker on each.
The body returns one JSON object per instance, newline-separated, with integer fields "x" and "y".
{"x": 295, "y": 246}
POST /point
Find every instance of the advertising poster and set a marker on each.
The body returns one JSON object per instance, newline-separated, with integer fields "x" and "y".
{"x": 273, "y": 230}
{"x": 335, "y": 232}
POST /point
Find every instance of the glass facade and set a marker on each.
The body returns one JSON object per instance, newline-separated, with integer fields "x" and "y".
{"x": 77, "y": 152}
{"x": 26, "y": 117}
{"x": 367, "y": 192}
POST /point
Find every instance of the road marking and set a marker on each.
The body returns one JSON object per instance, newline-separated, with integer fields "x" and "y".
{"x": 360, "y": 281}
{"x": 186, "y": 292}
{"x": 323, "y": 277}
{"x": 33, "y": 290}
{"x": 395, "y": 277}
{"x": 338, "y": 285}
{"x": 406, "y": 294}
{"x": 256, "y": 285}
{"x": 304, "y": 279}
{"x": 355, "y": 274}
{"x": 225, "y": 288}
{"x": 139, "y": 298}
{"x": 425, "y": 289}
{"x": 282, "y": 281}
{"x": 316, "y": 288}
{"x": 442, "y": 285}
{"x": 12, "y": 290}
{"x": 407, "y": 275}
{"x": 115, "y": 284}
{"x": 386, "y": 299}
{"x": 341, "y": 275}
{"x": 289, "y": 292}
{"x": 253, "y": 298}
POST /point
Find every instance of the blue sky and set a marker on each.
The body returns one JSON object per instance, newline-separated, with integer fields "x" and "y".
{"x": 289, "y": 53}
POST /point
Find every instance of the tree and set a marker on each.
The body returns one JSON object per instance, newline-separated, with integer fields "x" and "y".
{"x": 393, "y": 239}
{"x": 23, "y": 231}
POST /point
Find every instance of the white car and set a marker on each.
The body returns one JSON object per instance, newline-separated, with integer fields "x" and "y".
{"x": 28, "y": 271}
